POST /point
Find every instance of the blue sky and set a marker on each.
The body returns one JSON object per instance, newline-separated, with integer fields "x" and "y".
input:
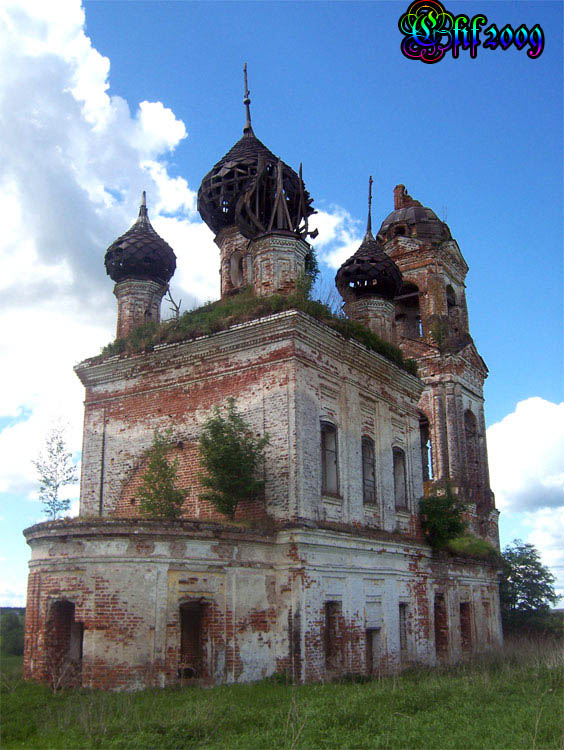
{"x": 479, "y": 141}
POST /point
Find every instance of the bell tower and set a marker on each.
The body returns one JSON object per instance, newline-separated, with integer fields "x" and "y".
{"x": 431, "y": 320}
{"x": 258, "y": 209}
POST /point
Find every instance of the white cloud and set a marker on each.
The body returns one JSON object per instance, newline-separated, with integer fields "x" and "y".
{"x": 547, "y": 535}
{"x": 526, "y": 456}
{"x": 74, "y": 163}
{"x": 339, "y": 235}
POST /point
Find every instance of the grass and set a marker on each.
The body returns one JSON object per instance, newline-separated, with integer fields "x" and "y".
{"x": 244, "y": 307}
{"x": 511, "y": 699}
{"x": 473, "y": 546}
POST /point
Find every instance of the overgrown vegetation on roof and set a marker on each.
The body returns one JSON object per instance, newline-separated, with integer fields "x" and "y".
{"x": 473, "y": 546}
{"x": 241, "y": 308}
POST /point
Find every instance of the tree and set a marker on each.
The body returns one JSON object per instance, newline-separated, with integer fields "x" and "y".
{"x": 11, "y": 631}
{"x": 441, "y": 518}
{"x": 526, "y": 585}
{"x": 56, "y": 470}
{"x": 230, "y": 455}
{"x": 158, "y": 495}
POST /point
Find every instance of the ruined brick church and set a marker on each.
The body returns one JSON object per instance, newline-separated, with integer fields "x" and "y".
{"x": 330, "y": 574}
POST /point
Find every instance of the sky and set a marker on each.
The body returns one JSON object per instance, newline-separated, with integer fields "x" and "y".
{"x": 101, "y": 101}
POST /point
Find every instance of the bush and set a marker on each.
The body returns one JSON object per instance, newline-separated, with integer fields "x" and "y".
{"x": 158, "y": 494}
{"x": 230, "y": 455}
{"x": 441, "y": 518}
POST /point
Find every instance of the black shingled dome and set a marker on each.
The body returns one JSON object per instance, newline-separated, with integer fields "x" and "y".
{"x": 140, "y": 253}
{"x": 369, "y": 272}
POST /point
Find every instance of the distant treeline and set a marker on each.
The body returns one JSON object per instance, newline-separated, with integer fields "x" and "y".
{"x": 12, "y": 621}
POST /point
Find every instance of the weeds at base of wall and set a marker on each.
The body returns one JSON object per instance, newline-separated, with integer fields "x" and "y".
{"x": 511, "y": 698}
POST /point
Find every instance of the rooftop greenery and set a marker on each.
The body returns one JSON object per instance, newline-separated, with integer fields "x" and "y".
{"x": 241, "y": 308}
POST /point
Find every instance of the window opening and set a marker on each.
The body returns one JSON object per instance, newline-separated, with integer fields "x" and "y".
{"x": 426, "y": 448}
{"x": 465, "y": 626}
{"x": 408, "y": 314}
{"x": 487, "y": 621}
{"x": 403, "y": 630}
{"x": 236, "y": 270}
{"x": 472, "y": 450}
{"x": 329, "y": 457}
{"x": 400, "y": 489}
{"x": 64, "y": 644}
{"x": 373, "y": 646}
{"x": 441, "y": 625}
{"x": 368, "y": 472}
{"x": 332, "y": 636}
{"x": 191, "y": 659}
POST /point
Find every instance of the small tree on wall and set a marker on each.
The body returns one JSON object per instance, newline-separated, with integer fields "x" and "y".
{"x": 158, "y": 495}
{"x": 56, "y": 470}
{"x": 441, "y": 518}
{"x": 230, "y": 456}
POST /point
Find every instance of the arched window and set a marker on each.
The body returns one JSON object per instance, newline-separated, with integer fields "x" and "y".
{"x": 408, "y": 317}
{"x": 329, "y": 460}
{"x": 236, "y": 269}
{"x": 426, "y": 449}
{"x": 368, "y": 472}
{"x": 400, "y": 487}
{"x": 472, "y": 446}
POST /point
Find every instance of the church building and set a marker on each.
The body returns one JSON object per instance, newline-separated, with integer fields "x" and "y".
{"x": 329, "y": 573}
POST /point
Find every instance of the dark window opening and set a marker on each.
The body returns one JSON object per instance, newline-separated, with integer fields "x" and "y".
{"x": 64, "y": 645}
{"x": 368, "y": 472}
{"x": 487, "y": 621}
{"x": 441, "y": 625}
{"x": 192, "y": 662}
{"x": 373, "y": 648}
{"x": 400, "y": 487}
{"x": 472, "y": 447}
{"x": 332, "y": 634}
{"x": 465, "y": 626}
{"x": 403, "y": 630}
{"x": 408, "y": 314}
{"x": 329, "y": 459}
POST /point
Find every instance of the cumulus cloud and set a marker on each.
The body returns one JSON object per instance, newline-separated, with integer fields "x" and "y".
{"x": 74, "y": 163}
{"x": 547, "y": 534}
{"x": 526, "y": 456}
{"x": 339, "y": 235}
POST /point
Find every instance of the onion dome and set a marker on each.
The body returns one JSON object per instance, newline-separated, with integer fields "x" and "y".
{"x": 369, "y": 272}
{"x": 252, "y": 188}
{"x": 140, "y": 253}
{"x": 410, "y": 219}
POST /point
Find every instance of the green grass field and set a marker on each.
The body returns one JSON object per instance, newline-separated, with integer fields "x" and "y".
{"x": 509, "y": 700}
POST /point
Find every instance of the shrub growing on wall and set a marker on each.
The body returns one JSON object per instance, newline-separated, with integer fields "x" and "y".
{"x": 441, "y": 518}
{"x": 158, "y": 495}
{"x": 231, "y": 455}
